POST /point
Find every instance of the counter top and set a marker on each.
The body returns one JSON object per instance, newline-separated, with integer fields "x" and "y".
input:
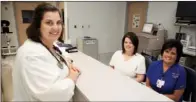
{"x": 99, "y": 82}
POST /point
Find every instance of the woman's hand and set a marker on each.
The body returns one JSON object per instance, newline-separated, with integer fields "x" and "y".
{"x": 74, "y": 73}
{"x": 176, "y": 95}
{"x": 140, "y": 78}
{"x": 148, "y": 82}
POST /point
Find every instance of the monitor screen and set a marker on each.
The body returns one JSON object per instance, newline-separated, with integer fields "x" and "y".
{"x": 27, "y": 16}
{"x": 147, "y": 28}
{"x": 186, "y": 9}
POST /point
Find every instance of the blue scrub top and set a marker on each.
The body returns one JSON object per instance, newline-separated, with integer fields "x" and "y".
{"x": 174, "y": 78}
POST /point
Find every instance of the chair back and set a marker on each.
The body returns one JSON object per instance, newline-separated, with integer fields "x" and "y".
{"x": 190, "y": 90}
{"x": 148, "y": 61}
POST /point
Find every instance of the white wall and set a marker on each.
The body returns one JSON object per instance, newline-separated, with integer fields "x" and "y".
{"x": 106, "y": 20}
{"x": 164, "y": 13}
{"x": 9, "y": 15}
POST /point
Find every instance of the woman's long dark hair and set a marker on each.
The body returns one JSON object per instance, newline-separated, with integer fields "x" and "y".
{"x": 33, "y": 31}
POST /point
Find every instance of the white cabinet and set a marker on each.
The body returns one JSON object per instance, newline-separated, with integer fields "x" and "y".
{"x": 88, "y": 46}
{"x": 149, "y": 43}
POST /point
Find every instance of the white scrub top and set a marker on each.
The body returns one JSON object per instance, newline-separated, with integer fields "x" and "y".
{"x": 37, "y": 77}
{"x": 135, "y": 65}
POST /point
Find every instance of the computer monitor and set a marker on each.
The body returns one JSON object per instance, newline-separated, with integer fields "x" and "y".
{"x": 147, "y": 28}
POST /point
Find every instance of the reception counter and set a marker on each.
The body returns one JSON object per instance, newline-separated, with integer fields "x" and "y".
{"x": 99, "y": 82}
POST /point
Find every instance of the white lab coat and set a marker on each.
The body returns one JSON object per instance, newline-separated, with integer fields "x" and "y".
{"x": 36, "y": 76}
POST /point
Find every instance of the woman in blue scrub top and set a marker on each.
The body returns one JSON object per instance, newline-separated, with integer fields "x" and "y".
{"x": 166, "y": 76}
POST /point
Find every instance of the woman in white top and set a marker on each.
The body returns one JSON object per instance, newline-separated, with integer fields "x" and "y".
{"x": 127, "y": 61}
{"x": 41, "y": 73}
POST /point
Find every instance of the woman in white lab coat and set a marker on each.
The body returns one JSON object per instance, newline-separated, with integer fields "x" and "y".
{"x": 41, "y": 73}
{"x": 127, "y": 61}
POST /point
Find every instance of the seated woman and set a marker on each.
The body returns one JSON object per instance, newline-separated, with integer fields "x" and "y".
{"x": 127, "y": 61}
{"x": 166, "y": 76}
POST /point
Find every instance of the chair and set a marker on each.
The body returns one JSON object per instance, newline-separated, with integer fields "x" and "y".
{"x": 190, "y": 90}
{"x": 148, "y": 61}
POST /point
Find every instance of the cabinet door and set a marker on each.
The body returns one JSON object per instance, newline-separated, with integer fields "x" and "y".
{"x": 137, "y": 12}
{"x": 61, "y": 6}
{"x": 143, "y": 43}
{"x": 21, "y": 27}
